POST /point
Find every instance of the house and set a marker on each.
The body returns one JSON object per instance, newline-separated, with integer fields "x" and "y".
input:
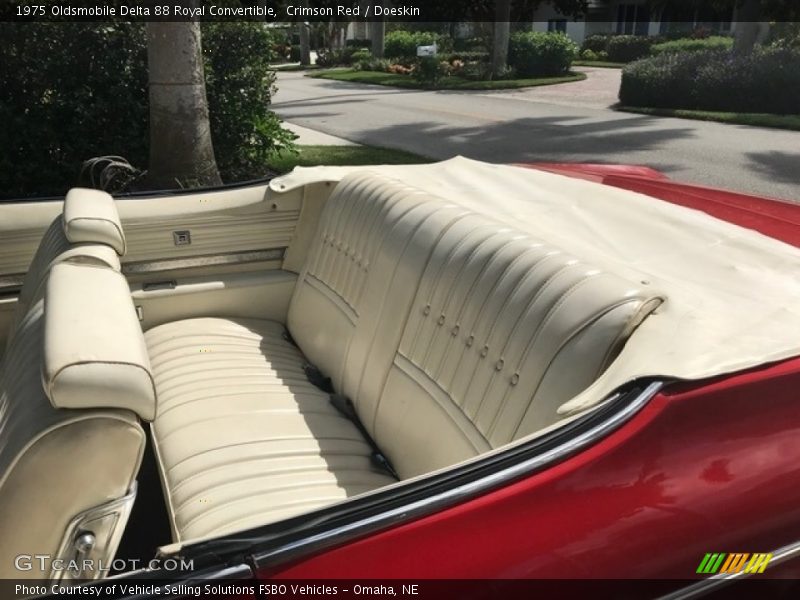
{"x": 634, "y": 17}
{"x": 630, "y": 17}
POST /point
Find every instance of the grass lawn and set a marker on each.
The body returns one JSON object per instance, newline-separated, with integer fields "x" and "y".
{"x": 449, "y": 83}
{"x": 597, "y": 63}
{"x": 755, "y": 119}
{"x": 312, "y": 156}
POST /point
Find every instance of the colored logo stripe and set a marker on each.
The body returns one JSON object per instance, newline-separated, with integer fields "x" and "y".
{"x": 721, "y": 562}
{"x": 735, "y": 562}
{"x": 758, "y": 563}
{"x": 710, "y": 563}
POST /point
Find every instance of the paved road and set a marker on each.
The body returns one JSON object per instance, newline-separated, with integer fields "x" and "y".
{"x": 569, "y": 122}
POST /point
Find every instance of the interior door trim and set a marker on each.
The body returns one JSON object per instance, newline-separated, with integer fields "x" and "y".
{"x": 211, "y": 260}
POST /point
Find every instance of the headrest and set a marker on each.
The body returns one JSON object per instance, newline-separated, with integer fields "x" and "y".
{"x": 94, "y": 350}
{"x": 90, "y": 216}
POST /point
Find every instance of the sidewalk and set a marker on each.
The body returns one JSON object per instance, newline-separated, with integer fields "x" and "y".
{"x": 600, "y": 90}
{"x": 309, "y": 137}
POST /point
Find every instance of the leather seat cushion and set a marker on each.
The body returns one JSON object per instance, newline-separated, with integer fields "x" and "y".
{"x": 242, "y": 437}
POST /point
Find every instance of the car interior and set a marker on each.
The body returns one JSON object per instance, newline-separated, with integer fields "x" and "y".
{"x": 402, "y": 336}
{"x": 182, "y": 367}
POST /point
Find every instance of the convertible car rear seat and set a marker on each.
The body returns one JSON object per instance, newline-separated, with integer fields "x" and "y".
{"x": 73, "y": 382}
{"x": 88, "y": 230}
{"x": 73, "y": 385}
{"x": 451, "y": 335}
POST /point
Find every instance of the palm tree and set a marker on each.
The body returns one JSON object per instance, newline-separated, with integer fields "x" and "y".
{"x": 747, "y": 28}
{"x": 305, "y": 41}
{"x": 500, "y": 39}
{"x": 181, "y": 152}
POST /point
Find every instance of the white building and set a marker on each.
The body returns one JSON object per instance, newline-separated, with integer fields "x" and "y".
{"x": 632, "y": 17}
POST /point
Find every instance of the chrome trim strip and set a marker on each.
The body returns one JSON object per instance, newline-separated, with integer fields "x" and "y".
{"x": 714, "y": 582}
{"x": 11, "y": 284}
{"x": 120, "y": 509}
{"x": 234, "y": 258}
{"x": 466, "y": 491}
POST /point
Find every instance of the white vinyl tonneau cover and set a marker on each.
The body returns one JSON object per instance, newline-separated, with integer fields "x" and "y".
{"x": 732, "y": 294}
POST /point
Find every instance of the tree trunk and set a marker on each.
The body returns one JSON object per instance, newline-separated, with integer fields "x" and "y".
{"x": 181, "y": 152}
{"x": 502, "y": 30}
{"x": 378, "y": 35}
{"x": 747, "y": 26}
{"x": 305, "y": 41}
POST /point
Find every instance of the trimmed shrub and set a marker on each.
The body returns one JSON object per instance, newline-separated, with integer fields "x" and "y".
{"x": 535, "y": 53}
{"x": 466, "y": 56}
{"x": 360, "y": 54}
{"x": 73, "y": 91}
{"x": 69, "y": 92}
{"x": 429, "y": 70}
{"x": 595, "y": 43}
{"x": 716, "y": 42}
{"x": 239, "y": 86}
{"x": 476, "y": 71}
{"x": 766, "y": 81}
{"x": 785, "y": 35}
{"x": 403, "y": 44}
{"x": 294, "y": 53}
{"x": 364, "y": 61}
{"x": 590, "y": 55}
{"x": 334, "y": 58}
{"x": 627, "y": 48}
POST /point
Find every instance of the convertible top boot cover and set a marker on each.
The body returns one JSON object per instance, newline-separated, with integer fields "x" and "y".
{"x": 732, "y": 293}
{"x": 70, "y": 440}
{"x": 450, "y": 333}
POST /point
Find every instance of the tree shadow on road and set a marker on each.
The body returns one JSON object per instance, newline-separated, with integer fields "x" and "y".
{"x": 782, "y": 166}
{"x": 568, "y": 139}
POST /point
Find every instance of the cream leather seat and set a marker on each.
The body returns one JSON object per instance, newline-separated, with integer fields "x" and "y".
{"x": 239, "y": 425}
{"x": 74, "y": 383}
{"x": 451, "y": 335}
{"x": 503, "y": 330}
{"x": 88, "y": 230}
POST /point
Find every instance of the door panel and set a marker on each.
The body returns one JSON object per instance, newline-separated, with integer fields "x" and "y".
{"x": 221, "y": 239}
{"x": 220, "y": 222}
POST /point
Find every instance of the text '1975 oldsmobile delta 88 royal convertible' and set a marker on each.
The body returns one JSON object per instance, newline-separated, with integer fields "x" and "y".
{"x": 458, "y": 370}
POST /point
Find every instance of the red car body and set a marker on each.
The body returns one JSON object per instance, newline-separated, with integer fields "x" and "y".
{"x": 698, "y": 467}
{"x": 711, "y": 466}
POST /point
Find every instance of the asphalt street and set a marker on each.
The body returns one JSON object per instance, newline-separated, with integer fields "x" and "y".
{"x": 570, "y": 122}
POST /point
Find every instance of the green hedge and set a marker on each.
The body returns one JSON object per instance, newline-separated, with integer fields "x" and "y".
{"x": 470, "y": 56}
{"x": 403, "y": 44}
{"x": 240, "y": 86}
{"x": 534, "y": 53}
{"x": 73, "y": 91}
{"x": 766, "y": 81}
{"x": 627, "y": 48}
{"x": 596, "y": 43}
{"x": 716, "y": 42}
{"x": 334, "y": 58}
{"x": 68, "y": 92}
{"x": 618, "y": 48}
